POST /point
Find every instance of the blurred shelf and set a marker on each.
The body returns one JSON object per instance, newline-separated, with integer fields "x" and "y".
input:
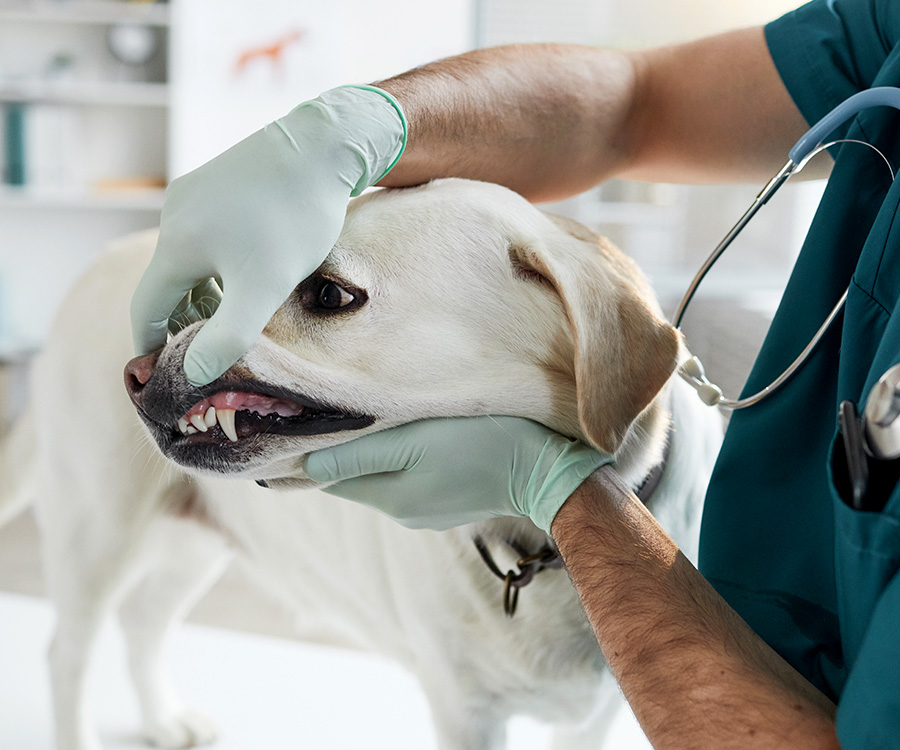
{"x": 627, "y": 212}
{"x": 85, "y": 93}
{"x": 85, "y": 12}
{"x": 751, "y": 288}
{"x": 150, "y": 199}
{"x": 15, "y": 353}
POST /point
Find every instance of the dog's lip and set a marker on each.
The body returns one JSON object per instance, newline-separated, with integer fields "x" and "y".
{"x": 253, "y": 409}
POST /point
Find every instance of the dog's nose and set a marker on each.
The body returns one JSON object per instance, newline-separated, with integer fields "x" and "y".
{"x": 137, "y": 373}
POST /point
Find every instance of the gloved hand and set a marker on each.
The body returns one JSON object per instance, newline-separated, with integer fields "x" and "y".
{"x": 261, "y": 217}
{"x": 440, "y": 473}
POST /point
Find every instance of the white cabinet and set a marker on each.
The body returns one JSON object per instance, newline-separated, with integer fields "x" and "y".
{"x": 84, "y": 113}
{"x": 84, "y": 97}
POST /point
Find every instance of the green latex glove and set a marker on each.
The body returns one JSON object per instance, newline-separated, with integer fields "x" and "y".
{"x": 260, "y": 218}
{"x": 442, "y": 473}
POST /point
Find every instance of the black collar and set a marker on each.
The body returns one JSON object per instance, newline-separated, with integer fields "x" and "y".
{"x": 548, "y": 556}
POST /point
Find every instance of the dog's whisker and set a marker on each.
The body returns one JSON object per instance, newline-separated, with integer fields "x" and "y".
{"x": 496, "y": 422}
{"x": 206, "y": 310}
{"x": 144, "y": 440}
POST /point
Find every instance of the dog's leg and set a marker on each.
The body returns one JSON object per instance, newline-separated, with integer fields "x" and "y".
{"x": 474, "y": 730}
{"x": 18, "y": 470}
{"x": 464, "y": 722}
{"x": 84, "y": 579}
{"x": 96, "y": 543}
{"x": 68, "y": 655}
{"x": 191, "y": 558}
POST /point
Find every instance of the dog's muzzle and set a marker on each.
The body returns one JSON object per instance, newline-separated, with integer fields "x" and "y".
{"x": 194, "y": 426}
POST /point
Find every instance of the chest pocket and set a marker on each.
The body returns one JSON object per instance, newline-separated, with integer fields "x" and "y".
{"x": 867, "y": 544}
{"x": 867, "y": 557}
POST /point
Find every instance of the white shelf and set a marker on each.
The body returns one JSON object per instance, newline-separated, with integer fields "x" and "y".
{"x": 84, "y": 12}
{"x": 31, "y": 197}
{"x": 86, "y": 93}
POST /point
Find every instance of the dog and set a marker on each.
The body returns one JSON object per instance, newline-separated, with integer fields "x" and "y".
{"x": 451, "y": 299}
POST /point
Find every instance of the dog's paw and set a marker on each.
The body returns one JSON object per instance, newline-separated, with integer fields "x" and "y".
{"x": 185, "y": 729}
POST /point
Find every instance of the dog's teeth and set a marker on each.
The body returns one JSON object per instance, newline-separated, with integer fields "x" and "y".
{"x": 210, "y": 418}
{"x": 198, "y": 422}
{"x": 183, "y": 425}
{"x": 226, "y": 422}
{"x": 191, "y": 430}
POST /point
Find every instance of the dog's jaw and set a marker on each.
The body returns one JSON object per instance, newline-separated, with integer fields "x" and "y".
{"x": 244, "y": 446}
{"x": 236, "y": 425}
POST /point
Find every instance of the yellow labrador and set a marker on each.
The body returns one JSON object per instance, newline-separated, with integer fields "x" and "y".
{"x": 452, "y": 299}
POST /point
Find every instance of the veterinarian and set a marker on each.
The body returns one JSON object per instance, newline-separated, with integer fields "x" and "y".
{"x": 790, "y": 638}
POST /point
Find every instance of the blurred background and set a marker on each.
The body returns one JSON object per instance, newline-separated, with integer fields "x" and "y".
{"x": 102, "y": 102}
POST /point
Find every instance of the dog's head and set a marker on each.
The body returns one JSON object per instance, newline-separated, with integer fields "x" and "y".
{"x": 453, "y": 299}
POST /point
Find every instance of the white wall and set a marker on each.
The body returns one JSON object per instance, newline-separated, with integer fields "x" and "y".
{"x": 663, "y": 21}
{"x": 618, "y": 22}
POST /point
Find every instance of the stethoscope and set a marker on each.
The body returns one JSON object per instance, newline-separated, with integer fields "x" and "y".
{"x": 803, "y": 150}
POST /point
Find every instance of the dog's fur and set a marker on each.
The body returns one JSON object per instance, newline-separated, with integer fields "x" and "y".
{"x": 467, "y": 301}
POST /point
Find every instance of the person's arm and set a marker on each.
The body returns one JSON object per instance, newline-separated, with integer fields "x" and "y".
{"x": 694, "y": 673}
{"x": 550, "y": 121}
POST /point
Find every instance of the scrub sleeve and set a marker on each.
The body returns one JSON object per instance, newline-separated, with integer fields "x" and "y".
{"x": 816, "y": 579}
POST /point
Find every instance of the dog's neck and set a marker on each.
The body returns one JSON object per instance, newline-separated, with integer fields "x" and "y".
{"x": 645, "y": 444}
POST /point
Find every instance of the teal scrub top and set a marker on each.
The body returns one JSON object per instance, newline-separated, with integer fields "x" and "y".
{"x": 816, "y": 579}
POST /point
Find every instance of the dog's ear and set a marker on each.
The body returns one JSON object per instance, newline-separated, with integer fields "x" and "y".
{"x": 624, "y": 351}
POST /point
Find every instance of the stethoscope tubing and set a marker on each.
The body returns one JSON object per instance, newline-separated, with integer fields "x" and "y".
{"x": 880, "y": 96}
{"x": 767, "y": 192}
{"x": 809, "y": 144}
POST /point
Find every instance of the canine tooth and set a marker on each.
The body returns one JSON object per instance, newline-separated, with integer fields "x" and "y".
{"x": 199, "y": 423}
{"x": 183, "y": 425}
{"x": 210, "y": 417}
{"x": 226, "y": 422}
{"x": 191, "y": 430}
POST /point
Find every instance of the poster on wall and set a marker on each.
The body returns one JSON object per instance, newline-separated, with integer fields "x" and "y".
{"x": 238, "y": 65}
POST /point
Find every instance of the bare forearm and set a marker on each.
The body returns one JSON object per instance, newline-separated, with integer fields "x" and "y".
{"x": 553, "y": 120}
{"x": 545, "y": 120}
{"x": 694, "y": 673}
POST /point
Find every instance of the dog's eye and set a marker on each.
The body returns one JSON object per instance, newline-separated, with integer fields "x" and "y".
{"x": 334, "y": 297}
{"x": 321, "y": 295}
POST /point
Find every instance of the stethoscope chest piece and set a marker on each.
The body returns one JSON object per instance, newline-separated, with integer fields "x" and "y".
{"x": 880, "y": 418}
